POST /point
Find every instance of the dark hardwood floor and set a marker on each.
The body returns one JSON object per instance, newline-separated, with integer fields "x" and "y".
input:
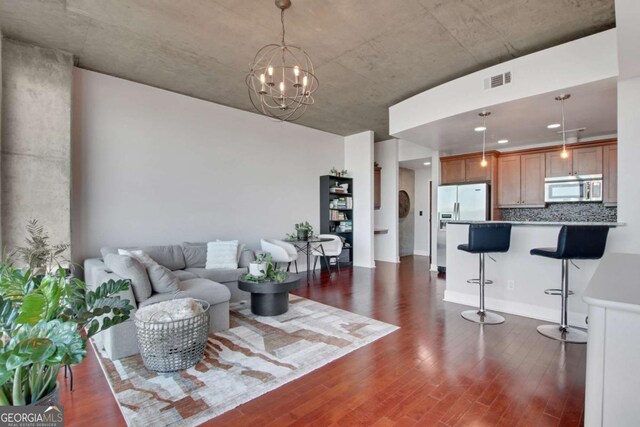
{"x": 437, "y": 369}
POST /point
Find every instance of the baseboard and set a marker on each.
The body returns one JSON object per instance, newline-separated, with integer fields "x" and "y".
{"x": 517, "y": 308}
{"x": 433, "y": 268}
{"x": 421, "y": 253}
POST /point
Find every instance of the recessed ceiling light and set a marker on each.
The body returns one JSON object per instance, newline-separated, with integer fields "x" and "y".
{"x": 427, "y": 163}
{"x": 503, "y": 141}
{"x": 480, "y": 128}
{"x": 554, "y": 126}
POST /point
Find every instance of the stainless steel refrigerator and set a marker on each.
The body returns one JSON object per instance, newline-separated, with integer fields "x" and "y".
{"x": 469, "y": 202}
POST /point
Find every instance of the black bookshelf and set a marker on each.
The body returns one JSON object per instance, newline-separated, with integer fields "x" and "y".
{"x": 336, "y": 212}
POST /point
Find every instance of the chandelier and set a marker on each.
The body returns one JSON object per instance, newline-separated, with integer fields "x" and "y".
{"x": 483, "y": 129}
{"x": 281, "y": 79}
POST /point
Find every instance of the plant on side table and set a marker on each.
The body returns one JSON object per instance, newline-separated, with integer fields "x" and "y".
{"x": 266, "y": 271}
{"x": 42, "y": 319}
{"x": 304, "y": 231}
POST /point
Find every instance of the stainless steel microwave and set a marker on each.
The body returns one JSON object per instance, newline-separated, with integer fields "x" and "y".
{"x": 579, "y": 188}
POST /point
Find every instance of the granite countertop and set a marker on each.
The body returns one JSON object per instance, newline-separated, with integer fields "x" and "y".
{"x": 614, "y": 284}
{"x": 542, "y": 223}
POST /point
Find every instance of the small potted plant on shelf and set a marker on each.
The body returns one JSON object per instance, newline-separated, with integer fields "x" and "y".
{"x": 269, "y": 273}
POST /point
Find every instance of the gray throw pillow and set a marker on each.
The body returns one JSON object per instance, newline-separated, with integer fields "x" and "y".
{"x": 195, "y": 256}
{"x": 130, "y": 268}
{"x": 162, "y": 279}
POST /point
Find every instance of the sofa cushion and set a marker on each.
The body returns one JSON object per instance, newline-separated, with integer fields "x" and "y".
{"x": 184, "y": 275}
{"x": 162, "y": 279}
{"x": 212, "y": 292}
{"x": 222, "y": 255}
{"x": 220, "y": 275}
{"x": 195, "y": 255}
{"x": 131, "y": 269}
{"x": 170, "y": 256}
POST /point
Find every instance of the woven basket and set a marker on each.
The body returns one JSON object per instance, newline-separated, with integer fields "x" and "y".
{"x": 175, "y": 345}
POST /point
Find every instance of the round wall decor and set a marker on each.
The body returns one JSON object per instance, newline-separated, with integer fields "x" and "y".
{"x": 404, "y": 204}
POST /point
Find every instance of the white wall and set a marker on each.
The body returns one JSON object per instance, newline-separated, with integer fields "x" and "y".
{"x": 358, "y": 160}
{"x": 581, "y": 61}
{"x": 421, "y": 241}
{"x": 155, "y": 167}
{"x": 408, "y": 150}
{"x": 435, "y": 182}
{"x": 627, "y": 239}
{"x": 386, "y": 245}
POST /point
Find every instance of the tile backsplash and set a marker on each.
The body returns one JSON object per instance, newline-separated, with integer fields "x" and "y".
{"x": 591, "y": 212}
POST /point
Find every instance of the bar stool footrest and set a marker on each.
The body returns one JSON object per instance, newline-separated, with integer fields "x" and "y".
{"x": 477, "y": 281}
{"x": 555, "y": 292}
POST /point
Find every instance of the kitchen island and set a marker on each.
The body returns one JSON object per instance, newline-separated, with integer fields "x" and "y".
{"x": 519, "y": 278}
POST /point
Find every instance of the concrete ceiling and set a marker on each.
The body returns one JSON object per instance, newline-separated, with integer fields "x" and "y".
{"x": 368, "y": 54}
{"x": 523, "y": 122}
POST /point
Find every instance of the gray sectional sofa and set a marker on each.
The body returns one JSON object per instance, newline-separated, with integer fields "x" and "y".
{"x": 187, "y": 262}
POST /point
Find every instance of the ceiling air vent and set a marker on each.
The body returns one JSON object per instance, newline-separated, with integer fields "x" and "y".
{"x": 497, "y": 80}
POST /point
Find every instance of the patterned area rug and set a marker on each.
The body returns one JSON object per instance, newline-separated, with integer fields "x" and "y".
{"x": 256, "y": 355}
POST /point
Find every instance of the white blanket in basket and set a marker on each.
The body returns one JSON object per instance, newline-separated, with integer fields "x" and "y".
{"x": 169, "y": 311}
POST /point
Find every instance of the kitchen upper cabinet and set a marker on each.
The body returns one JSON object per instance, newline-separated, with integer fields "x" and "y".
{"x": 474, "y": 172}
{"x": 587, "y": 160}
{"x": 610, "y": 174}
{"x": 581, "y": 161}
{"x": 532, "y": 168}
{"x": 508, "y": 181}
{"x": 377, "y": 182}
{"x": 521, "y": 180}
{"x": 452, "y": 171}
{"x": 556, "y": 165}
{"x": 465, "y": 169}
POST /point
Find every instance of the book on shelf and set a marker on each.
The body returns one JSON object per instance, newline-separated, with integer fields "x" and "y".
{"x": 344, "y": 227}
{"x": 341, "y": 203}
{"x": 337, "y": 215}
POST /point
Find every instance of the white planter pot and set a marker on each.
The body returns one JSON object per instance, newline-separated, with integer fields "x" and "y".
{"x": 257, "y": 269}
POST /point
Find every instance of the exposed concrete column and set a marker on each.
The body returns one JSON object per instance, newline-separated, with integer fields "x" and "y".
{"x": 35, "y": 167}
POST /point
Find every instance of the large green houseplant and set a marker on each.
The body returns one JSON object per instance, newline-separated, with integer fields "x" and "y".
{"x": 45, "y": 324}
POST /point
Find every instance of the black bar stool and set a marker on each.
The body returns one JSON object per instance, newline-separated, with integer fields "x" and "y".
{"x": 574, "y": 242}
{"x": 485, "y": 238}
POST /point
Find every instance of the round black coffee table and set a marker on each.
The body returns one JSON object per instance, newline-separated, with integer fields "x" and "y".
{"x": 269, "y": 298}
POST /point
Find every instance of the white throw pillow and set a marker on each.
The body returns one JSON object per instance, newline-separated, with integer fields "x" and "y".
{"x": 141, "y": 256}
{"x": 241, "y": 247}
{"x": 222, "y": 255}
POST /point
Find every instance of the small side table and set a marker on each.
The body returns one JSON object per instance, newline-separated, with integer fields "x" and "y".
{"x": 269, "y": 298}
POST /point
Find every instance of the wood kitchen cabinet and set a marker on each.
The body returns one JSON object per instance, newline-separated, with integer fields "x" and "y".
{"x": 508, "y": 181}
{"x": 610, "y": 174}
{"x": 521, "y": 180}
{"x": 452, "y": 171}
{"x": 587, "y": 160}
{"x": 581, "y": 161}
{"x": 377, "y": 182}
{"x": 556, "y": 165}
{"x": 466, "y": 169}
{"x": 474, "y": 172}
{"x": 532, "y": 168}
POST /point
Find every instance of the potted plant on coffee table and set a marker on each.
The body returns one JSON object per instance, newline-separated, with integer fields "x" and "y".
{"x": 268, "y": 273}
{"x": 42, "y": 319}
{"x": 258, "y": 268}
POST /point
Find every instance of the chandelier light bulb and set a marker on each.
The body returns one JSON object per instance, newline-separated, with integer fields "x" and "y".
{"x": 296, "y": 71}
{"x": 270, "y": 71}
{"x": 483, "y": 163}
{"x": 564, "y": 154}
{"x": 305, "y": 81}
{"x": 262, "y": 78}
{"x": 281, "y": 87}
